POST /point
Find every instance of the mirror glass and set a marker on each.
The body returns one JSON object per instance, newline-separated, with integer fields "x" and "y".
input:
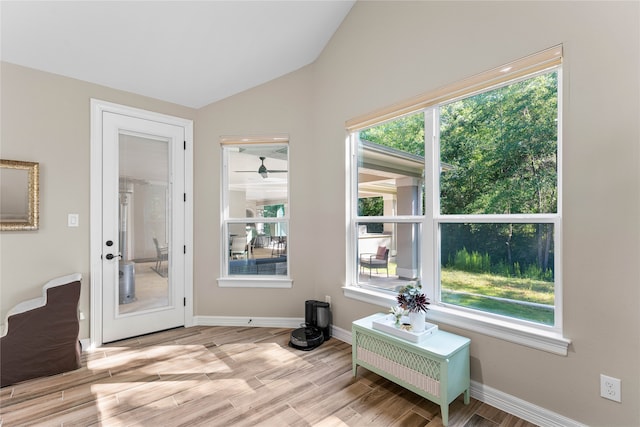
{"x": 18, "y": 195}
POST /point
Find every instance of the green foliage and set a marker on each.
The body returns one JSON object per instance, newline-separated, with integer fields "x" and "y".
{"x": 475, "y": 262}
{"x": 405, "y": 134}
{"x": 271, "y": 211}
{"x": 370, "y": 206}
{"x": 411, "y": 298}
{"x": 502, "y": 145}
{"x": 470, "y": 261}
{"x": 535, "y": 272}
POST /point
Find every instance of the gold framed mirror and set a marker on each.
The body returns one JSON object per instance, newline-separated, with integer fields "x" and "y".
{"x": 19, "y": 195}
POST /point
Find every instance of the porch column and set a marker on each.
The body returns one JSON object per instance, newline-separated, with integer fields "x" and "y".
{"x": 389, "y": 229}
{"x": 408, "y": 190}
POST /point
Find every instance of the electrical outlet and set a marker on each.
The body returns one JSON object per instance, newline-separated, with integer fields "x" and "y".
{"x": 610, "y": 388}
{"x": 327, "y": 298}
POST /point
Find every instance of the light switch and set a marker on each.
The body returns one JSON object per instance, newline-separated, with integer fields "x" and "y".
{"x": 73, "y": 220}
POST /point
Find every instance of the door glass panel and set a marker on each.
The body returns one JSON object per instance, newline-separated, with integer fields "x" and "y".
{"x": 143, "y": 224}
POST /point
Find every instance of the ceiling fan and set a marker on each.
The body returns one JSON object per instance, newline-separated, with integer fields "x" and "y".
{"x": 263, "y": 171}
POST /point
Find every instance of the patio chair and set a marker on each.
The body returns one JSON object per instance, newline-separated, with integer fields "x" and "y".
{"x": 378, "y": 260}
{"x": 238, "y": 247}
{"x": 162, "y": 254}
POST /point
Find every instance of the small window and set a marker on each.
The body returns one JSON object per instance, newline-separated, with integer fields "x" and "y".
{"x": 255, "y": 219}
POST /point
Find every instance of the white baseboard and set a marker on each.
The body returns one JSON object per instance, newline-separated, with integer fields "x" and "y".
{"x": 85, "y": 343}
{"x": 496, "y": 398}
{"x": 341, "y": 334}
{"x": 265, "y": 322}
{"x": 520, "y": 408}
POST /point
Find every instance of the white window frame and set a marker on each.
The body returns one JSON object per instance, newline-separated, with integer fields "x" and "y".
{"x": 250, "y": 281}
{"x": 547, "y": 338}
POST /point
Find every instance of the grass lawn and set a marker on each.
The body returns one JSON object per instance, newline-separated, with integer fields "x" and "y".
{"x": 499, "y": 294}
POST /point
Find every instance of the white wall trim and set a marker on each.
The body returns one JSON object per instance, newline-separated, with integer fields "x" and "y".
{"x": 265, "y": 322}
{"x": 85, "y": 344}
{"x": 341, "y": 334}
{"x": 520, "y": 408}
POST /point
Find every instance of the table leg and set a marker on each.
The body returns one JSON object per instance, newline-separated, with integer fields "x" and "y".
{"x": 444, "y": 408}
{"x": 466, "y": 397}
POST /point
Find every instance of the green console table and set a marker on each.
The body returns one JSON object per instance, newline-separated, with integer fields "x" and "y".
{"x": 437, "y": 368}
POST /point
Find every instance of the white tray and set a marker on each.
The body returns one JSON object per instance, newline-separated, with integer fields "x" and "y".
{"x": 387, "y": 323}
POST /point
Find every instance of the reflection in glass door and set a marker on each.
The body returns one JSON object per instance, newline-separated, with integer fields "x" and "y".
{"x": 144, "y": 214}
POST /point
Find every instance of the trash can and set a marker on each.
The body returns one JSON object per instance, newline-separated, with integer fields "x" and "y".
{"x": 127, "y": 286}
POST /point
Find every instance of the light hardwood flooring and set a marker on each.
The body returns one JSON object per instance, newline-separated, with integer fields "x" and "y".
{"x": 227, "y": 376}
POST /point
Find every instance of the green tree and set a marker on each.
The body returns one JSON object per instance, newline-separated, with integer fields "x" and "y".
{"x": 405, "y": 134}
{"x": 370, "y": 206}
{"x": 502, "y": 145}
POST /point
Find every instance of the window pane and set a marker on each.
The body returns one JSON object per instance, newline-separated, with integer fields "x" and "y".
{"x": 505, "y": 269}
{"x": 498, "y": 150}
{"x": 391, "y": 168}
{"x": 258, "y": 180}
{"x": 252, "y": 251}
{"x": 389, "y": 258}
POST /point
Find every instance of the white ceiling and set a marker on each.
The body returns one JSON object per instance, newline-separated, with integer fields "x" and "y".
{"x": 190, "y": 53}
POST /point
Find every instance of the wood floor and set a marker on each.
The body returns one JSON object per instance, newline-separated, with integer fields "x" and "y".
{"x": 227, "y": 376}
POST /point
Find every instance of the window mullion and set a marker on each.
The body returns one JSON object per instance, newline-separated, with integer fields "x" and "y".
{"x": 498, "y": 218}
{"x": 430, "y": 240}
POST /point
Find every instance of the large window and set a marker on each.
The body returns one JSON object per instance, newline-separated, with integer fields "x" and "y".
{"x": 255, "y": 219}
{"x": 463, "y": 190}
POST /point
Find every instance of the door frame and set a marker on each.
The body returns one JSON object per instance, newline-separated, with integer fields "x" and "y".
{"x": 98, "y": 107}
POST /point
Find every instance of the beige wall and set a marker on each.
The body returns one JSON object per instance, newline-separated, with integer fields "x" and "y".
{"x": 386, "y": 52}
{"x": 281, "y": 106}
{"x": 45, "y": 119}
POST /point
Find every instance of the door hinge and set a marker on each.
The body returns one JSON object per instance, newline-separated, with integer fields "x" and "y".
{"x": 184, "y": 249}
{"x": 184, "y": 301}
{"x": 185, "y": 145}
{"x": 185, "y": 197}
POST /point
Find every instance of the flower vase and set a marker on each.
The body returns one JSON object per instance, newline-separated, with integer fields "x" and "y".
{"x": 417, "y": 320}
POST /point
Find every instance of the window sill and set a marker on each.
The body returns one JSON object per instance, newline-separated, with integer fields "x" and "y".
{"x": 549, "y": 341}
{"x": 254, "y": 282}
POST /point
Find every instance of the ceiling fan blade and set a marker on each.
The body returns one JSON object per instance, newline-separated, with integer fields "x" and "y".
{"x": 263, "y": 171}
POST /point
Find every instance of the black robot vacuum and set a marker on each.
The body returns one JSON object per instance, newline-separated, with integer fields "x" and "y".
{"x": 306, "y": 338}
{"x": 317, "y": 327}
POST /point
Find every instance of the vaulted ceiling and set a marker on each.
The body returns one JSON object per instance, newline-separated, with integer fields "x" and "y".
{"x": 190, "y": 53}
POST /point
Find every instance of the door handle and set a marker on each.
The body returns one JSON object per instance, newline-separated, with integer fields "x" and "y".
{"x": 112, "y": 256}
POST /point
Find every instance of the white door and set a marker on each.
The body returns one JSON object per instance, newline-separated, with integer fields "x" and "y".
{"x": 142, "y": 273}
